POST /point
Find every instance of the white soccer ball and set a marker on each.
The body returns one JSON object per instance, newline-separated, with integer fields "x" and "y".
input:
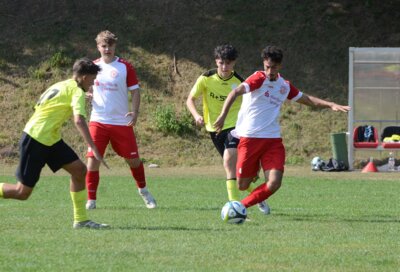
{"x": 316, "y": 163}
{"x": 234, "y": 212}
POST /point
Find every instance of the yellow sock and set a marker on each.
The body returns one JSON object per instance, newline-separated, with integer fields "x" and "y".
{"x": 233, "y": 190}
{"x": 1, "y": 189}
{"x": 78, "y": 201}
{"x": 252, "y": 186}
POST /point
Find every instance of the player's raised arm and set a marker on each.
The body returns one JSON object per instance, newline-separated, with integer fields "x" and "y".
{"x": 219, "y": 123}
{"x": 317, "y": 102}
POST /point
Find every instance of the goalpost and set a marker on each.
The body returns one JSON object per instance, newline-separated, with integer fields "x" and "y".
{"x": 374, "y": 96}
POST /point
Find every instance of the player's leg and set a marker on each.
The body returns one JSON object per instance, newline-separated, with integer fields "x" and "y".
{"x": 100, "y": 136}
{"x": 272, "y": 159}
{"x": 263, "y": 205}
{"x": 15, "y": 191}
{"x": 92, "y": 182}
{"x": 33, "y": 157}
{"x": 230, "y": 155}
{"x": 137, "y": 171}
{"x": 77, "y": 170}
{"x": 230, "y": 160}
{"x": 265, "y": 190}
{"x": 64, "y": 157}
{"x": 123, "y": 141}
{"x": 226, "y": 146}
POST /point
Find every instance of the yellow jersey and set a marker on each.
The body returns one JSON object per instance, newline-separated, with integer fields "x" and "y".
{"x": 215, "y": 90}
{"x": 55, "y": 106}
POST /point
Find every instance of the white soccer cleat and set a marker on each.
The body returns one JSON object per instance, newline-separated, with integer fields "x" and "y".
{"x": 148, "y": 198}
{"x": 91, "y": 204}
{"x": 264, "y": 208}
{"x": 89, "y": 224}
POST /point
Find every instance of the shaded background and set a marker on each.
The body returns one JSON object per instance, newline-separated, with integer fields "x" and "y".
{"x": 315, "y": 36}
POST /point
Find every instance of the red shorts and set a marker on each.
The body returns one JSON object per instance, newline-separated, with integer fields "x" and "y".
{"x": 122, "y": 139}
{"x": 253, "y": 152}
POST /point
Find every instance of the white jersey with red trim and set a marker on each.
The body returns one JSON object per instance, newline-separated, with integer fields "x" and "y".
{"x": 259, "y": 114}
{"x": 110, "y": 101}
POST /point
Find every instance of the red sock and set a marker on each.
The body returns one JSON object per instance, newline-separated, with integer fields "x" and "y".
{"x": 259, "y": 194}
{"x": 92, "y": 182}
{"x": 138, "y": 175}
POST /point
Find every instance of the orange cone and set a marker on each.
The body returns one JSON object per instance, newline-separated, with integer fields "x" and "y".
{"x": 370, "y": 167}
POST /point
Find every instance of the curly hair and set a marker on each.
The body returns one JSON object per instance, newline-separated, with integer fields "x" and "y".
{"x": 225, "y": 52}
{"x": 273, "y": 53}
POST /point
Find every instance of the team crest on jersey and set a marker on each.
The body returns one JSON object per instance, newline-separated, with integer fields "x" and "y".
{"x": 114, "y": 73}
{"x": 282, "y": 90}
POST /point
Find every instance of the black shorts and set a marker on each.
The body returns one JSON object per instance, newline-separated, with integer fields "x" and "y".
{"x": 224, "y": 140}
{"x": 34, "y": 155}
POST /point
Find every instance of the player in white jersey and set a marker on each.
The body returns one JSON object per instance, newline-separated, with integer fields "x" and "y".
{"x": 214, "y": 86}
{"x": 258, "y": 124}
{"x": 112, "y": 120}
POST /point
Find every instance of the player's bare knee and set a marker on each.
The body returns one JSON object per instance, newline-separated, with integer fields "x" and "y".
{"x": 274, "y": 185}
{"x": 243, "y": 184}
{"x": 22, "y": 194}
{"x": 79, "y": 173}
{"x": 82, "y": 170}
{"x": 19, "y": 192}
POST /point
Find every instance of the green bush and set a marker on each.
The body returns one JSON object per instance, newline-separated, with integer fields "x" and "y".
{"x": 169, "y": 123}
{"x": 59, "y": 60}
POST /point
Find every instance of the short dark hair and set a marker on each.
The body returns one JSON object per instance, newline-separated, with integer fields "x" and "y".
{"x": 225, "y": 52}
{"x": 85, "y": 66}
{"x": 273, "y": 53}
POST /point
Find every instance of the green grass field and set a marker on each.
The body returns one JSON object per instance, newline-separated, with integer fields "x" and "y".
{"x": 319, "y": 222}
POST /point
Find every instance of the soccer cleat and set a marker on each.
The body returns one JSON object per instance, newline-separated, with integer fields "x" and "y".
{"x": 91, "y": 204}
{"x": 264, "y": 208}
{"x": 89, "y": 224}
{"x": 148, "y": 199}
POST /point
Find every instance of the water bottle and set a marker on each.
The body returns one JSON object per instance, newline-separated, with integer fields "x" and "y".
{"x": 391, "y": 162}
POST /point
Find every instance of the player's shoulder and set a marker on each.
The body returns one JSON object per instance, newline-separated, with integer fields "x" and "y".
{"x": 210, "y": 73}
{"x": 239, "y": 77}
{"x": 258, "y": 75}
{"x": 124, "y": 61}
{"x": 66, "y": 88}
{"x": 72, "y": 85}
{"x": 65, "y": 84}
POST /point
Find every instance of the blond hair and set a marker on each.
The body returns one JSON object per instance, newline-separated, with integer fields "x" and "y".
{"x": 107, "y": 37}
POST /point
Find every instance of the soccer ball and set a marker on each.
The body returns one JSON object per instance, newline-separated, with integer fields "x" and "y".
{"x": 316, "y": 163}
{"x": 234, "y": 212}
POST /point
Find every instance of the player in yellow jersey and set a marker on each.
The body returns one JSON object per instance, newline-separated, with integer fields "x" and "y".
{"x": 214, "y": 86}
{"x": 41, "y": 141}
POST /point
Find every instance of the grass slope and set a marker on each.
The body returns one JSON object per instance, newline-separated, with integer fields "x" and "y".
{"x": 42, "y": 38}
